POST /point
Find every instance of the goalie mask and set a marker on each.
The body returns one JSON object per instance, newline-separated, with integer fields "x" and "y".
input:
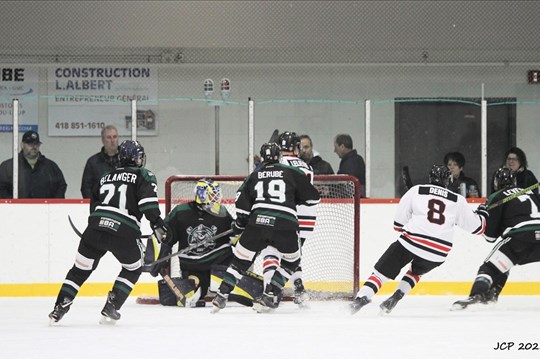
{"x": 208, "y": 197}
{"x": 440, "y": 175}
{"x": 289, "y": 141}
{"x": 131, "y": 153}
{"x": 270, "y": 153}
{"x": 504, "y": 177}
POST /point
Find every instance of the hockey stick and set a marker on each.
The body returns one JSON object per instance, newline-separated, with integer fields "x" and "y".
{"x": 79, "y": 234}
{"x": 274, "y": 136}
{"x": 406, "y": 177}
{"x": 513, "y": 196}
{"x": 189, "y": 248}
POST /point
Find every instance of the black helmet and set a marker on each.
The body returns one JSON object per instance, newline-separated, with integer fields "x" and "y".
{"x": 270, "y": 153}
{"x": 288, "y": 141}
{"x": 504, "y": 177}
{"x": 440, "y": 175}
{"x": 131, "y": 153}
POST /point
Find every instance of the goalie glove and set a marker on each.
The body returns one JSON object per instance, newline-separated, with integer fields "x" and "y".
{"x": 482, "y": 211}
{"x": 164, "y": 250}
{"x": 160, "y": 230}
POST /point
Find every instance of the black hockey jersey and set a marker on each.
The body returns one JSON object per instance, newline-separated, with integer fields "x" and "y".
{"x": 269, "y": 196}
{"x": 519, "y": 217}
{"x": 125, "y": 194}
{"x": 188, "y": 225}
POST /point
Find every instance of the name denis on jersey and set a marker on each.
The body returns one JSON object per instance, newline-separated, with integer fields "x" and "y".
{"x": 432, "y": 190}
{"x": 124, "y": 176}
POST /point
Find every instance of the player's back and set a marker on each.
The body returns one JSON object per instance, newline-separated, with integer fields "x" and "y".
{"x": 427, "y": 214}
{"x": 124, "y": 194}
{"x": 295, "y": 161}
{"x": 514, "y": 215}
{"x": 273, "y": 192}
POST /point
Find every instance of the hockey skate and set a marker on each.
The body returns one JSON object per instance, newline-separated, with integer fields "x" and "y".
{"x": 109, "y": 313}
{"x": 358, "y": 303}
{"x": 60, "y": 310}
{"x": 301, "y": 297}
{"x": 471, "y": 300}
{"x": 265, "y": 303}
{"x": 388, "y": 305}
{"x": 219, "y": 302}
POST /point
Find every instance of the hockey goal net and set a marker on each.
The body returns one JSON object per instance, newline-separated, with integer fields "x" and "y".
{"x": 330, "y": 260}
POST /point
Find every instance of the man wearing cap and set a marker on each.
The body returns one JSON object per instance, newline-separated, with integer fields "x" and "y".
{"x": 39, "y": 177}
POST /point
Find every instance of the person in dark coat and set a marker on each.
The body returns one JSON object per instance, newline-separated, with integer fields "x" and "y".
{"x": 312, "y": 158}
{"x": 39, "y": 177}
{"x": 98, "y": 164}
{"x": 351, "y": 162}
{"x": 516, "y": 160}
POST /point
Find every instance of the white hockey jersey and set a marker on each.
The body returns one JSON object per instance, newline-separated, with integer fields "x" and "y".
{"x": 426, "y": 216}
{"x": 307, "y": 215}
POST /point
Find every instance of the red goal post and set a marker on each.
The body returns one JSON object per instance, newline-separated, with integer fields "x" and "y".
{"x": 330, "y": 259}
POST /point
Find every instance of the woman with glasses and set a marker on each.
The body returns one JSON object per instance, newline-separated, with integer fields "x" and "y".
{"x": 516, "y": 160}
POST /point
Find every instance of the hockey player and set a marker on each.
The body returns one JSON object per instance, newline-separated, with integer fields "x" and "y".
{"x": 289, "y": 142}
{"x": 125, "y": 194}
{"x": 193, "y": 223}
{"x": 425, "y": 217}
{"x": 266, "y": 217}
{"x": 516, "y": 223}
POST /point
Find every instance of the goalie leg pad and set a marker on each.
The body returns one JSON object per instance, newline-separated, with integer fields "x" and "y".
{"x": 167, "y": 298}
{"x": 249, "y": 287}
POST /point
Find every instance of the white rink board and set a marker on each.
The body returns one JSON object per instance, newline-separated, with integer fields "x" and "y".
{"x": 39, "y": 246}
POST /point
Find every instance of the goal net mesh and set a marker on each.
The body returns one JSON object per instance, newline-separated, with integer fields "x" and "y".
{"x": 330, "y": 257}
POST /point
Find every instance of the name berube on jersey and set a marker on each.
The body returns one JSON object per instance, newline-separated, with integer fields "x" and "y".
{"x": 272, "y": 194}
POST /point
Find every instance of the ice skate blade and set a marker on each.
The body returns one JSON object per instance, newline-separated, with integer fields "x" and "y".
{"x": 472, "y": 307}
{"x": 214, "y": 309}
{"x": 105, "y": 320}
{"x": 53, "y": 322}
{"x": 304, "y": 306}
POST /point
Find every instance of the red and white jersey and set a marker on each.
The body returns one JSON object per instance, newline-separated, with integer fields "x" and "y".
{"x": 307, "y": 215}
{"x": 426, "y": 216}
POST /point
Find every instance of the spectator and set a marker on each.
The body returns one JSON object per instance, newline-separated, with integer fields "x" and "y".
{"x": 312, "y": 157}
{"x": 102, "y": 162}
{"x": 516, "y": 160}
{"x": 351, "y": 163}
{"x": 39, "y": 177}
{"x": 455, "y": 161}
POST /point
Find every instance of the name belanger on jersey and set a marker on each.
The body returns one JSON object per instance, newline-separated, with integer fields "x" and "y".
{"x": 123, "y": 176}
{"x": 270, "y": 174}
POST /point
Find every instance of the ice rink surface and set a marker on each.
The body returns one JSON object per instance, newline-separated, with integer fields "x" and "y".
{"x": 419, "y": 327}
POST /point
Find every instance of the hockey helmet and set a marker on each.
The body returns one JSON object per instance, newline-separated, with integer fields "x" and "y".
{"x": 208, "y": 195}
{"x": 131, "y": 153}
{"x": 440, "y": 175}
{"x": 504, "y": 177}
{"x": 289, "y": 141}
{"x": 270, "y": 153}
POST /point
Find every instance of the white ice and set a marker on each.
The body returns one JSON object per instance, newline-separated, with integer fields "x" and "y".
{"x": 419, "y": 327}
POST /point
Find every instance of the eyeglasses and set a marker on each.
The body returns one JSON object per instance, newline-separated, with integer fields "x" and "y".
{"x": 512, "y": 159}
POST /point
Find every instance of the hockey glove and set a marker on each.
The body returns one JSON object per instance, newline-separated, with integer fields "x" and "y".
{"x": 164, "y": 250}
{"x": 237, "y": 230}
{"x": 160, "y": 230}
{"x": 482, "y": 211}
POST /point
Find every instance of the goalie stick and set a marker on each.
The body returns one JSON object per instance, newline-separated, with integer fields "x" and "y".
{"x": 189, "y": 248}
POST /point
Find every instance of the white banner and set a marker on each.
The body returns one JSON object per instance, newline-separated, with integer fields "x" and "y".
{"x": 83, "y": 100}
{"x": 19, "y": 83}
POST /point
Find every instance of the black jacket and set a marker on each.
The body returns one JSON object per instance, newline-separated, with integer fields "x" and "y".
{"x": 454, "y": 185}
{"x": 320, "y": 167}
{"x": 96, "y": 166}
{"x": 524, "y": 179}
{"x": 353, "y": 164}
{"x": 44, "y": 181}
